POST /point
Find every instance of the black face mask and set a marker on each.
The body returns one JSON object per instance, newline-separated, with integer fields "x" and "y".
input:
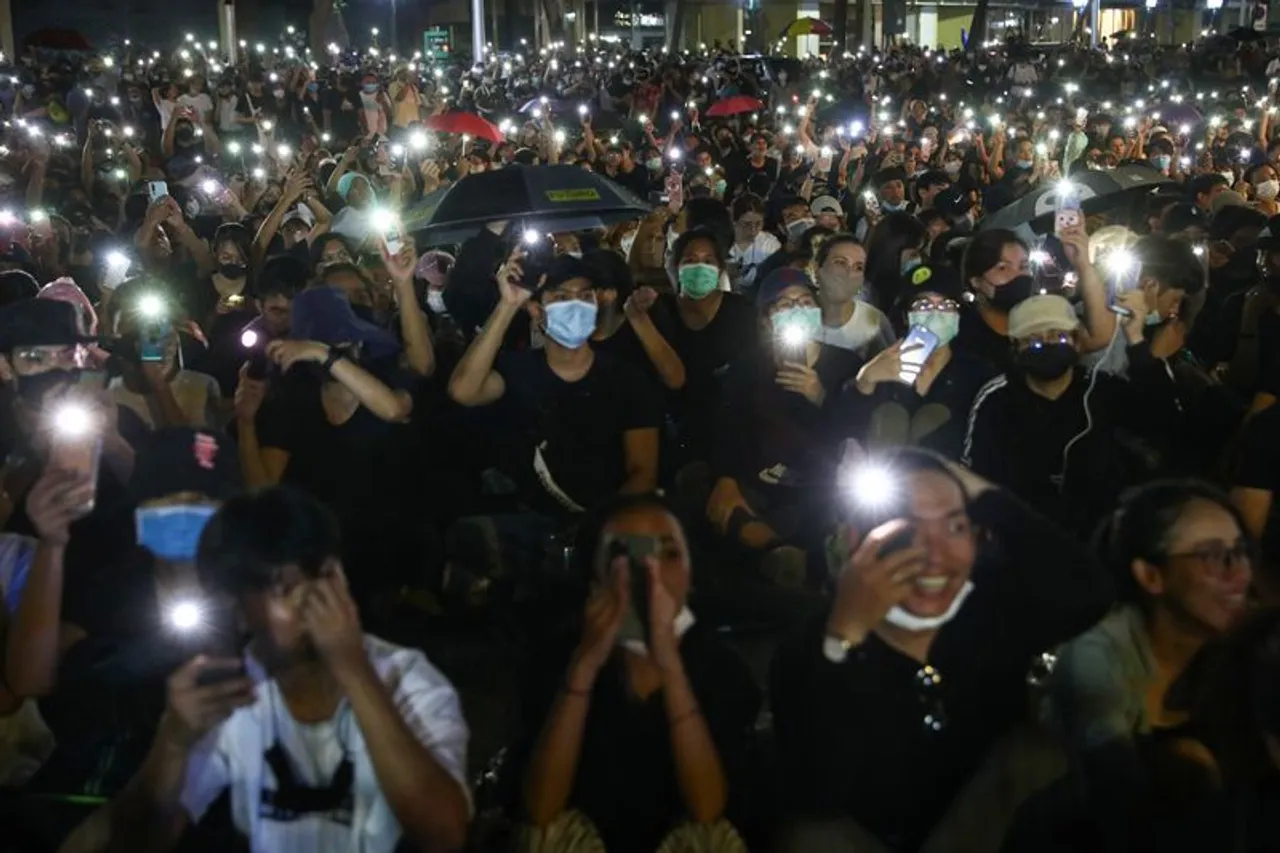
{"x": 1050, "y": 361}
{"x": 1015, "y": 291}
{"x": 232, "y": 271}
{"x": 32, "y": 389}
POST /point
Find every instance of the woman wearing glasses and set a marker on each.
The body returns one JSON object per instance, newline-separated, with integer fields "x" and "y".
{"x": 918, "y": 391}
{"x": 1119, "y": 693}
{"x": 752, "y": 245}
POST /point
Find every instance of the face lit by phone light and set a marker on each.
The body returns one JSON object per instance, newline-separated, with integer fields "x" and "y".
{"x": 671, "y": 551}
{"x": 72, "y": 421}
{"x": 934, "y": 505}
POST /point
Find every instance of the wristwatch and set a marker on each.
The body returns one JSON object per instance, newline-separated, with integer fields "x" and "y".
{"x": 836, "y": 648}
{"x": 335, "y": 355}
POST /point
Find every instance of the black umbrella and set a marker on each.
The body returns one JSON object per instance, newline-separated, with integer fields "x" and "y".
{"x": 1246, "y": 34}
{"x": 1097, "y": 190}
{"x": 557, "y": 198}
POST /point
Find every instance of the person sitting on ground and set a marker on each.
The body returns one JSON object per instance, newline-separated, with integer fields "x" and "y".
{"x": 323, "y": 736}
{"x": 646, "y": 695}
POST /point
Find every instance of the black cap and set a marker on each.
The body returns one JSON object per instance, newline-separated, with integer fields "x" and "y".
{"x": 779, "y": 280}
{"x": 566, "y": 267}
{"x": 183, "y": 459}
{"x": 889, "y": 174}
{"x": 39, "y": 323}
{"x": 1182, "y": 216}
{"x": 942, "y": 280}
{"x": 953, "y": 202}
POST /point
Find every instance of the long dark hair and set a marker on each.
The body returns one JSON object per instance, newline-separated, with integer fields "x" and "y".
{"x": 885, "y": 243}
{"x": 984, "y": 251}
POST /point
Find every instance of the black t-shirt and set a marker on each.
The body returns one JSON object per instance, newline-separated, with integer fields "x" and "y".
{"x": 625, "y": 343}
{"x": 626, "y": 776}
{"x": 978, "y": 339}
{"x": 706, "y": 354}
{"x": 937, "y": 420}
{"x": 346, "y": 114}
{"x": 1258, "y": 467}
{"x": 1038, "y": 588}
{"x": 579, "y": 426}
{"x": 365, "y": 469}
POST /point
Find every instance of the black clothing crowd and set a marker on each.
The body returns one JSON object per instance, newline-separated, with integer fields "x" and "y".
{"x": 948, "y": 379}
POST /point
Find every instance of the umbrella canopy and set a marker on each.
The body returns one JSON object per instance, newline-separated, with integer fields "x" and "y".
{"x": 558, "y": 198}
{"x": 1174, "y": 114}
{"x": 805, "y": 27}
{"x": 469, "y": 123}
{"x": 736, "y": 105}
{"x": 1246, "y": 34}
{"x": 554, "y": 105}
{"x": 1097, "y": 190}
{"x": 57, "y": 38}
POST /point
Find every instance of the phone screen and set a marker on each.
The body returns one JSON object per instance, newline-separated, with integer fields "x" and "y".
{"x": 635, "y": 625}
{"x": 921, "y": 343}
{"x": 152, "y": 342}
{"x": 157, "y": 190}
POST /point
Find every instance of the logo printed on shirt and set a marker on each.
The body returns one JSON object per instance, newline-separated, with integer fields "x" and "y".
{"x": 205, "y": 450}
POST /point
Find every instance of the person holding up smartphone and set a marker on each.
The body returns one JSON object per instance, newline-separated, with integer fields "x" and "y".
{"x": 918, "y": 391}
{"x": 898, "y": 711}
{"x": 637, "y": 729}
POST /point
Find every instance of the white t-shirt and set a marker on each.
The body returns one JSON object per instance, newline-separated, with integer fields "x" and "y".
{"x": 166, "y": 108}
{"x": 868, "y": 325}
{"x": 227, "y": 114}
{"x": 232, "y": 757}
{"x": 750, "y": 258}
{"x": 201, "y": 103}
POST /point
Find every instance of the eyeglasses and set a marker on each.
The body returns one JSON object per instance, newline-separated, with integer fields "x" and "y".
{"x": 751, "y": 223}
{"x": 568, "y": 295}
{"x": 797, "y": 302}
{"x": 929, "y": 692}
{"x": 930, "y": 305}
{"x": 1221, "y": 560}
{"x": 1048, "y": 339}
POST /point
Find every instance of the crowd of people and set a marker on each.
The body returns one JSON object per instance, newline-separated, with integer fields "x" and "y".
{"x": 885, "y": 381}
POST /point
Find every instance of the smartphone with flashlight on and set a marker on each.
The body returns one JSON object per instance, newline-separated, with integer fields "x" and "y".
{"x": 258, "y": 365}
{"x": 539, "y": 253}
{"x": 635, "y": 625}
{"x": 917, "y": 346}
{"x": 1067, "y": 214}
{"x": 75, "y": 442}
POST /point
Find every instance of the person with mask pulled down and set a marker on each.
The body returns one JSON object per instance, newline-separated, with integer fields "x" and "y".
{"x": 645, "y": 697}
{"x": 324, "y": 737}
{"x": 1121, "y": 693}
{"x": 1047, "y": 428}
{"x": 576, "y": 426}
{"x": 889, "y": 186}
{"x": 996, "y": 267}
{"x": 899, "y": 712}
{"x": 919, "y": 390}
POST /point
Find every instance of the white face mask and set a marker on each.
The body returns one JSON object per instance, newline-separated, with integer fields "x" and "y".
{"x": 899, "y": 617}
{"x": 684, "y": 621}
{"x": 1267, "y": 190}
{"x": 1230, "y": 178}
{"x": 435, "y": 301}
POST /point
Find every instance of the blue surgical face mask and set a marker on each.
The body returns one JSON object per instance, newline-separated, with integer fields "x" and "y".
{"x": 893, "y": 207}
{"x": 1026, "y": 164}
{"x": 571, "y": 322}
{"x": 1162, "y": 161}
{"x": 944, "y": 324}
{"x": 910, "y": 264}
{"x": 173, "y": 532}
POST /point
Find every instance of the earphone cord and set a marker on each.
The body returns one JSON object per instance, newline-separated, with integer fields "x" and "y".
{"x": 1088, "y": 413}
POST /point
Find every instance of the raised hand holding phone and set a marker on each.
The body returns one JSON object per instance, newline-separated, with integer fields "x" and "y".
{"x": 876, "y": 578}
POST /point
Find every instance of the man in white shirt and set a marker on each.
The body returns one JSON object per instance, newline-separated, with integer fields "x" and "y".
{"x": 327, "y": 739}
{"x": 198, "y": 99}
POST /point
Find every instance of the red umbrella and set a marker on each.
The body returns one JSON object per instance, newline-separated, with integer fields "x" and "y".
{"x": 734, "y": 106}
{"x": 468, "y": 123}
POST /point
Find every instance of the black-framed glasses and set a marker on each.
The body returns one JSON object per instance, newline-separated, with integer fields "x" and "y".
{"x": 929, "y": 691}
{"x": 930, "y": 305}
{"x": 1218, "y": 557}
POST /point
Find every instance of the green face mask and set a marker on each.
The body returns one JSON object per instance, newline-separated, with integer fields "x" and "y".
{"x": 944, "y": 324}
{"x": 698, "y": 281}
